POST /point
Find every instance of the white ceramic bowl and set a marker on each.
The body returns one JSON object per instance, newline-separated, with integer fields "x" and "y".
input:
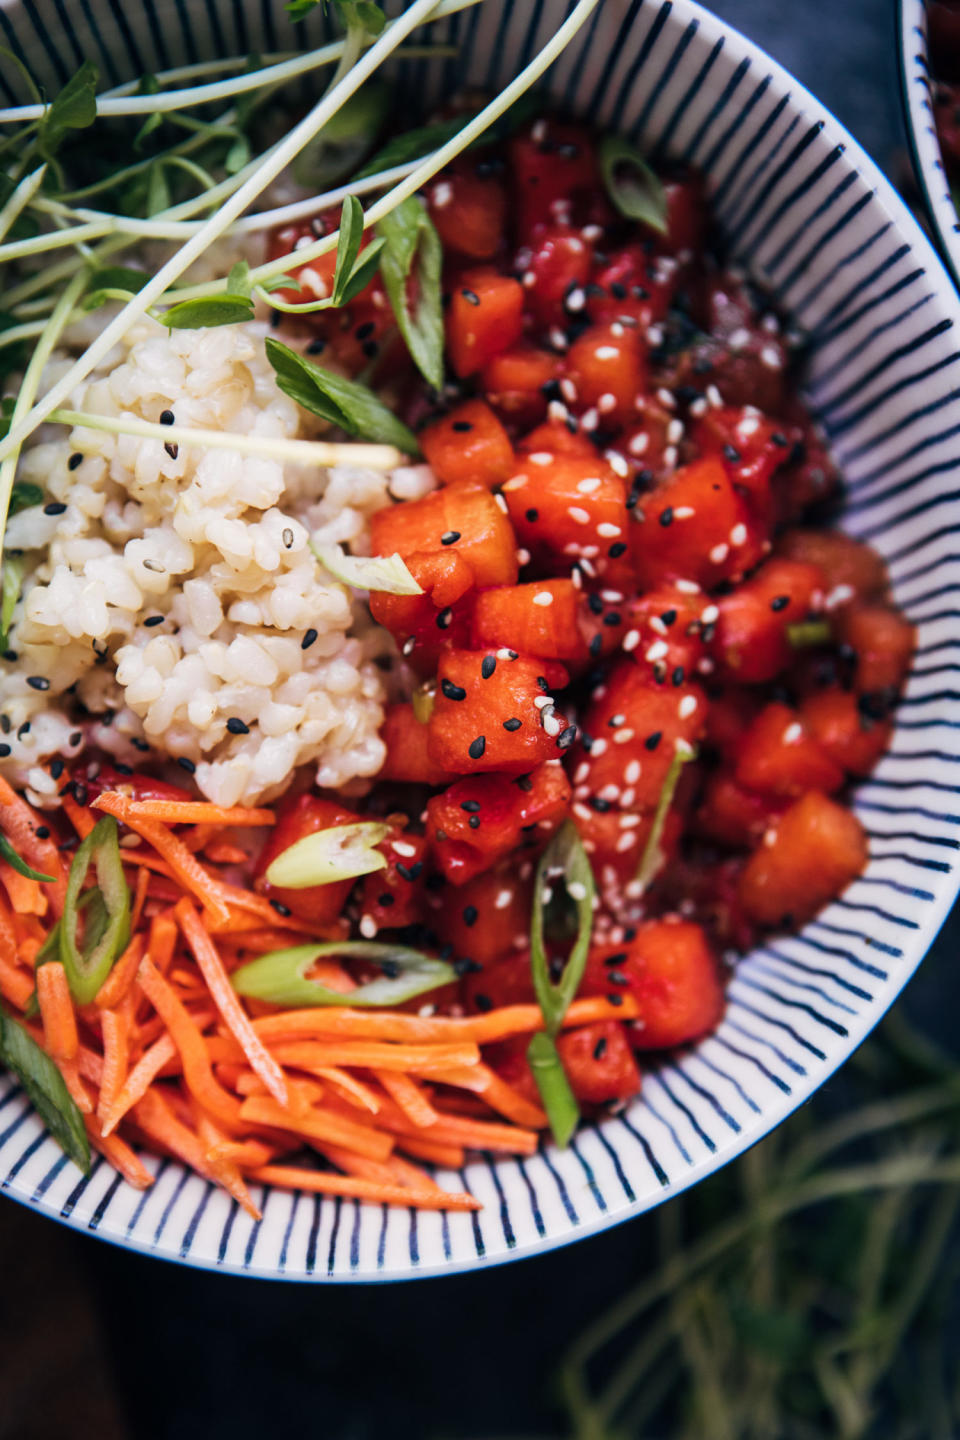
{"x": 917, "y": 89}
{"x": 811, "y": 216}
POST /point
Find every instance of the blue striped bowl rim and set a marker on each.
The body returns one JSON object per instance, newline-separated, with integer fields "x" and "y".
{"x": 812, "y": 216}
{"x": 916, "y": 92}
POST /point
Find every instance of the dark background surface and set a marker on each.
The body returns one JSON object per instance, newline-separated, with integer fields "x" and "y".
{"x": 98, "y": 1343}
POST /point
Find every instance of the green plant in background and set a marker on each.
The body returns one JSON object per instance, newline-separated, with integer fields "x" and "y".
{"x": 803, "y": 1293}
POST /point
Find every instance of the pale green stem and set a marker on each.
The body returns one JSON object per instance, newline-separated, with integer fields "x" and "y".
{"x": 303, "y": 452}
{"x": 20, "y": 198}
{"x": 282, "y": 155}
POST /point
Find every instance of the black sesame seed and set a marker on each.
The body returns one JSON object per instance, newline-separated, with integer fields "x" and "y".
{"x": 172, "y": 450}
{"x": 56, "y": 768}
{"x": 470, "y": 913}
{"x": 779, "y": 439}
{"x": 732, "y": 454}
{"x": 652, "y": 741}
{"x": 669, "y": 617}
{"x": 477, "y": 747}
{"x": 465, "y": 966}
{"x": 38, "y": 682}
{"x": 236, "y": 726}
{"x": 620, "y": 958}
{"x": 617, "y": 977}
{"x": 364, "y": 331}
{"x": 444, "y": 619}
{"x": 780, "y": 602}
{"x": 512, "y": 724}
{"x": 615, "y": 999}
{"x": 316, "y": 347}
{"x": 618, "y": 291}
{"x": 600, "y": 1049}
{"x": 601, "y": 806}
{"x": 487, "y": 666}
{"x": 596, "y": 645}
{"x": 152, "y": 620}
{"x": 524, "y": 783}
{"x": 308, "y": 638}
{"x": 137, "y": 743}
{"x": 453, "y": 692}
{"x": 79, "y": 791}
{"x": 281, "y": 909}
{"x": 75, "y": 459}
{"x": 566, "y": 737}
{"x": 666, "y": 516}
{"x": 616, "y": 550}
{"x": 471, "y": 296}
{"x": 613, "y": 617}
{"x": 186, "y": 764}
{"x": 461, "y": 426}
{"x": 533, "y": 516}
{"x": 595, "y": 604}
{"x": 4, "y": 750}
{"x": 42, "y": 832}
{"x": 483, "y": 1003}
{"x": 56, "y": 507}
{"x": 474, "y": 822}
{"x": 410, "y": 872}
{"x": 6, "y": 724}
{"x": 23, "y": 730}
{"x": 122, "y": 769}
{"x": 471, "y": 806}
{"x": 167, "y": 417}
{"x": 450, "y": 537}
{"x": 385, "y": 900}
{"x": 677, "y": 676}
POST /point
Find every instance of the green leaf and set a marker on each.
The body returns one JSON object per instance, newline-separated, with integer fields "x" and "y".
{"x": 386, "y": 573}
{"x": 362, "y": 14}
{"x": 280, "y": 282}
{"x": 413, "y": 145}
{"x": 410, "y": 263}
{"x": 45, "y": 1089}
{"x": 348, "y": 246}
{"x": 75, "y": 108}
{"x": 24, "y": 495}
{"x": 363, "y": 272}
{"x": 114, "y": 282}
{"x": 209, "y": 311}
{"x": 237, "y": 156}
{"x": 281, "y": 977}
{"x": 564, "y": 860}
{"x": 149, "y": 85}
{"x": 558, "y": 1099}
{"x": 10, "y": 855}
{"x": 158, "y": 191}
{"x": 343, "y": 402}
{"x": 345, "y": 139}
{"x": 238, "y": 280}
{"x": 341, "y": 852}
{"x": 632, "y": 185}
{"x": 11, "y": 581}
{"x": 652, "y": 857}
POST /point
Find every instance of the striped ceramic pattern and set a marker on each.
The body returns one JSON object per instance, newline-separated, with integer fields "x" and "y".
{"x": 917, "y": 92}
{"x": 811, "y": 216}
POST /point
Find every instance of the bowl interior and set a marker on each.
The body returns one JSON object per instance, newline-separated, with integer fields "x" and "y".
{"x": 809, "y": 216}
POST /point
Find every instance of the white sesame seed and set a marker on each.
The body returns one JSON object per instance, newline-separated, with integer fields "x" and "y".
{"x": 409, "y": 645}
{"x": 657, "y": 651}
{"x": 675, "y": 432}
{"x": 557, "y": 412}
{"x": 368, "y": 927}
{"x": 612, "y": 597}
{"x": 577, "y": 578}
{"x": 687, "y": 706}
{"x": 402, "y": 847}
{"x": 629, "y": 822}
{"x": 543, "y": 597}
{"x": 581, "y": 773}
{"x": 542, "y": 701}
{"x": 666, "y": 399}
{"x": 588, "y": 553}
{"x": 567, "y": 389}
{"x": 622, "y": 737}
{"x": 516, "y": 482}
{"x": 639, "y": 443}
{"x": 592, "y": 233}
{"x": 426, "y": 1012}
{"x": 683, "y": 512}
{"x": 740, "y": 339}
{"x": 657, "y": 625}
{"x": 501, "y": 503}
{"x": 607, "y": 352}
{"x": 670, "y": 457}
{"x": 628, "y": 796}
{"x": 442, "y": 194}
{"x": 719, "y": 553}
{"x": 770, "y": 837}
{"x": 575, "y": 300}
{"x": 770, "y": 357}
{"x": 748, "y": 427}
{"x": 632, "y": 772}
{"x": 793, "y": 733}
{"x": 574, "y": 243}
{"x": 557, "y": 338}
{"x": 606, "y": 403}
{"x": 503, "y": 899}
{"x": 617, "y": 463}
{"x": 541, "y": 457}
{"x": 582, "y": 517}
{"x": 528, "y": 279}
{"x": 705, "y": 665}
{"x": 738, "y": 535}
{"x": 505, "y": 654}
{"x": 523, "y": 556}
{"x": 714, "y": 398}
{"x": 631, "y": 640}
{"x": 698, "y": 408}
{"x": 771, "y": 324}
{"x": 839, "y": 595}
{"x": 590, "y": 419}
{"x": 577, "y": 890}
{"x": 608, "y": 530}
{"x": 582, "y": 813}
{"x": 539, "y": 132}
{"x": 626, "y": 841}
{"x": 587, "y": 487}
{"x": 687, "y": 587}
{"x": 609, "y": 792}
{"x": 655, "y": 336}
{"x": 598, "y": 748}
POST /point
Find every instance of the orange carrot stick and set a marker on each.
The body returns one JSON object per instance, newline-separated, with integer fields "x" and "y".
{"x": 139, "y": 1080}
{"x": 70, "y": 1070}
{"x": 186, "y": 867}
{"x": 57, "y": 1012}
{"x": 78, "y": 815}
{"x": 322, "y": 1020}
{"x": 25, "y": 895}
{"x": 15, "y": 984}
{"x": 408, "y": 1096}
{"x": 163, "y": 940}
{"x": 320, "y": 1182}
{"x": 190, "y": 1043}
{"x": 115, "y": 1032}
{"x": 188, "y": 812}
{"x": 156, "y": 1118}
{"x": 121, "y": 977}
{"x": 500, "y": 1096}
{"x": 413, "y": 1176}
{"x": 361, "y": 1165}
{"x": 20, "y": 824}
{"x": 118, "y": 1152}
{"x": 227, "y": 1002}
{"x": 224, "y": 1169}
{"x": 318, "y": 1125}
{"x": 139, "y": 898}
{"x": 349, "y": 1085}
{"x": 451, "y": 1157}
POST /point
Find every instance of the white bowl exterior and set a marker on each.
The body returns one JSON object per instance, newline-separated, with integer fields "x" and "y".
{"x": 928, "y": 158}
{"x": 813, "y": 218}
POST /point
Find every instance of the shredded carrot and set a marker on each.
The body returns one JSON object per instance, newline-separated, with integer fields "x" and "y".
{"x": 118, "y": 1152}
{"x": 360, "y": 1165}
{"x": 321, "y": 1182}
{"x": 435, "y": 1153}
{"x": 139, "y": 898}
{"x": 221, "y": 1167}
{"x": 115, "y": 1030}
{"x": 186, "y": 867}
{"x": 57, "y": 1012}
{"x": 245, "y": 1153}
{"x": 163, "y": 940}
{"x": 408, "y": 1096}
{"x": 189, "y": 812}
{"x": 228, "y": 1002}
{"x": 155, "y": 1116}
{"x": 70, "y": 1070}
{"x": 318, "y": 1125}
{"x": 500, "y": 1024}
{"x": 139, "y": 1080}
{"x": 190, "y": 1043}
{"x": 497, "y": 1093}
{"x": 20, "y": 825}
{"x": 413, "y": 1176}
{"x": 349, "y": 1085}
{"x": 78, "y": 815}
{"x": 221, "y": 852}
{"x": 25, "y": 895}
{"x": 15, "y": 984}
{"x": 121, "y": 977}
{"x": 458, "y": 1130}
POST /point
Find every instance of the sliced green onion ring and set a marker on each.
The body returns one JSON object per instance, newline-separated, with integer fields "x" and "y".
{"x": 107, "y": 930}
{"x": 341, "y": 852}
{"x": 280, "y": 978}
{"x": 387, "y": 573}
